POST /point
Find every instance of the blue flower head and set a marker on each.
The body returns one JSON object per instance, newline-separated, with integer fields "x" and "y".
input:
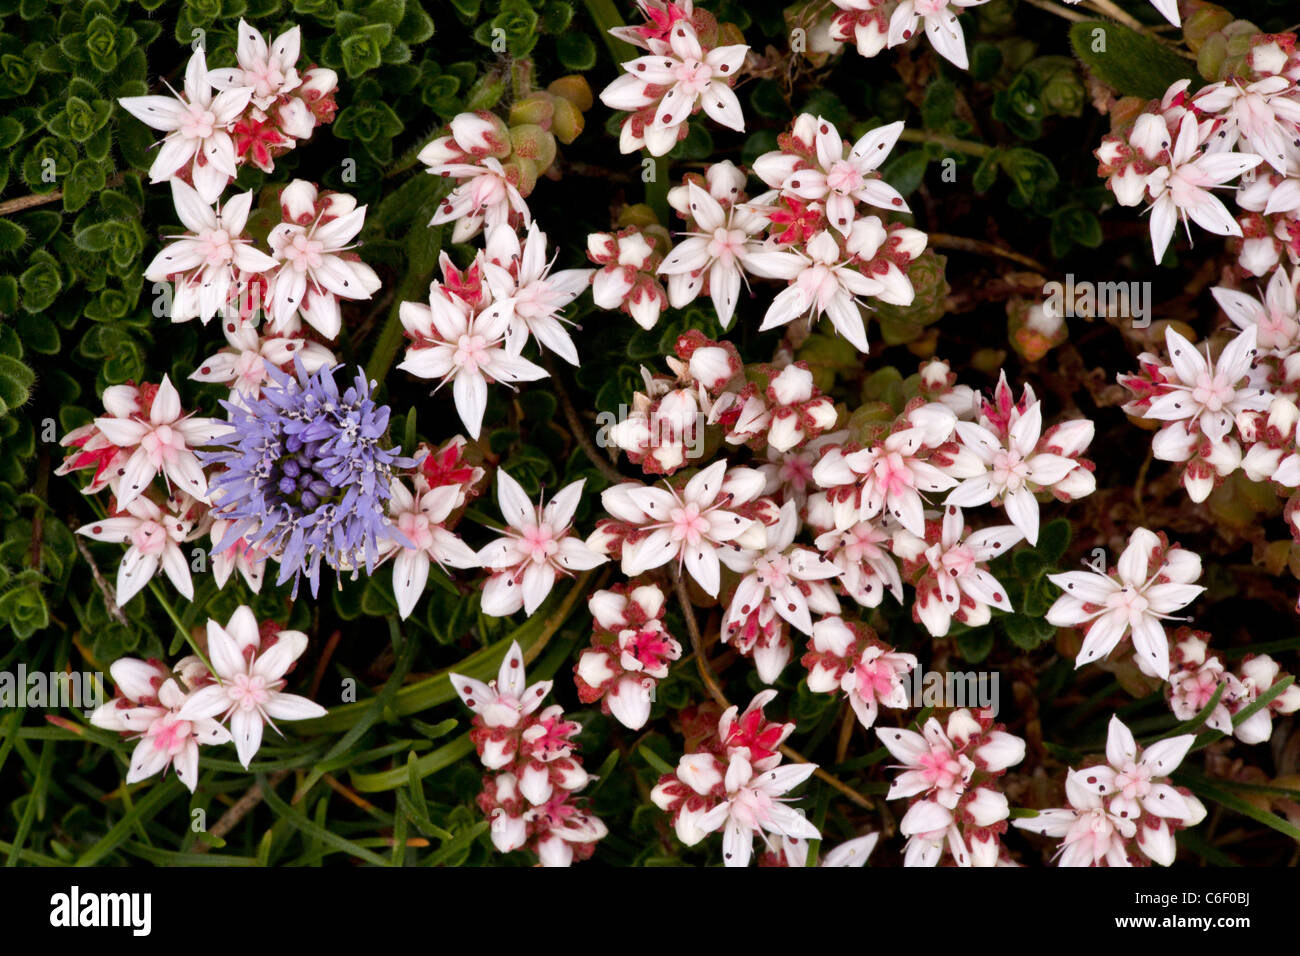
{"x": 307, "y": 475}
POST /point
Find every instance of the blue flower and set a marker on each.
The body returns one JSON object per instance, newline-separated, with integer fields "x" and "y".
{"x": 307, "y": 475}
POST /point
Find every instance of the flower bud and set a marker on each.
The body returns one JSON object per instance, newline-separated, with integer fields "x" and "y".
{"x": 712, "y": 367}
{"x": 793, "y": 386}
{"x": 481, "y": 134}
{"x": 785, "y": 431}
{"x": 533, "y": 142}
{"x": 567, "y": 122}
{"x": 574, "y": 89}
{"x": 298, "y": 202}
{"x": 536, "y": 109}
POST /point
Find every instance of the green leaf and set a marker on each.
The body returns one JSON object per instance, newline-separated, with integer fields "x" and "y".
{"x": 575, "y": 51}
{"x": 1134, "y": 64}
{"x": 1030, "y": 172}
{"x": 906, "y": 172}
{"x": 16, "y": 381}
{"x": 12, "y": 236}
{"x": 1025, "y": 632}
{"x": 1053, "y": 539}
{"x": 660, "y": 765}
{"x": 986, "y": 173}
{"x": 975, "y": 645}
{"x": 1202, "y": 787}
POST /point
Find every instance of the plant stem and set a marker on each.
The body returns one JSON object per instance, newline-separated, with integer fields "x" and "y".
{"x": 604, "y": 14}
{"x": 942, "y": 240}
{"x": 948, "y": 142}
{"x": 1074, "y": 16}
{"x": 239, "y": 809}
{"x": 390, "y": 336}
{"x": 578, "y": 428}
{"x": 180, "y": 625}
{"x": 1109, "y": 9}
{"x": 19, "y": 203}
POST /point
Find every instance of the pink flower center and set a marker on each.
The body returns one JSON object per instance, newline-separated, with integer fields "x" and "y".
{"x": 875, "y": 679}
{"x": 647, "y": 646}
{"x": 169, "y": 734}
{"x": 538, "y": 543}
{"x": 217, "y": 245}
{"x": 688, "y": 524}
{"x": 199, "y": 122}
{"x": 892, "y": 474}
{"x": 149, "y": 538}
{"x": 957, "y": 561}
{"x": 304, "y": 253}
{"x": 1276, "y": 330}
{"x": 939, "y": 767}
{"x": 1009, "y": 469}
{"x": 1212, "y": 393}
{"x": 1130, "y": 600}
{"x": 248, "y": 691}
{"x": 416, "y": 528}
{"x": 471, "y": 352}
{"x": 843, "y": 177}
{"x": 1134, "y": 781}
{"x": 162, "y": 445}
{"x": 693, "y": 76}
{"x": 726, "y": 243}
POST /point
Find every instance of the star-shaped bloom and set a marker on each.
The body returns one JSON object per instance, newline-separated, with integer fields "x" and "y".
{"x": 1090, "y": 834}
{"x": 1014, "y": 469}
{"x": 148, "y": 708}
{"x": 862, "y": 551}
{"x": 317, "y": 267}
{"x": 1181, "y": 189}
{"x": 848, "y": 657}
{"x": 454, "y": 341}
{"x": 825, "y": 279}
{"x": 956, "y": 582}
{"x": 249, "y": 690}
{"x": 891, "y": 475}
{"x": 788, "y": 578}
{"x": 719, "y": 253}
{"x": 520, "y": 273}
{"x": 244, "y": 363}
{"x": 1275, "y": 316}
{"x": 506, "y": 701}
{"x": 939, "y": 764}
{"x": 662, "y": 90}
{"x": 270, "y": 71}
{"x": 248, "y": 559}
{"x": 1265, "y": 114}
{"x": 419, "y": 516}
{"x": 697, "y": 525}
{"x": 840, "y": 182}
{"x": 154, "y": 541}
{"x": 942, "y": 770}
{"x": 485, "y": 197}
{"x": 1205, "y": 394}
{"x": 211, "y": 262}
{"x": 1149, "y": 583}
{"x": 1128, "y": 796}
{"x": 755, "y": 805}
{"x": 164, "y": 441}
{"x": 535, "y": 549}
{"x": 941, "y": 26}
{"x": 471, "y": 153}
{"x": 198, "y": 129}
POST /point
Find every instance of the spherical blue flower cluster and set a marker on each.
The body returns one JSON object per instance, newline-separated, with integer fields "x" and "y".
{"x": 307, "y": 477}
